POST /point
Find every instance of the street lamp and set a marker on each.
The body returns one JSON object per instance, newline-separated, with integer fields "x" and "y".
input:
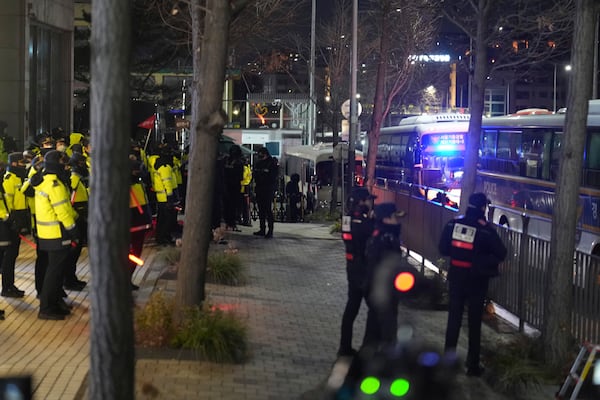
{"x": 567, "y": 69}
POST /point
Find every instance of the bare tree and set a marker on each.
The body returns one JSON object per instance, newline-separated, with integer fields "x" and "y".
{"x": 520, "y": 33}
{"x": 112, "y": 354}
{"x": 210, "y": 27}
{"x": 403, "y": 28}
{"x": 556, "y": 331}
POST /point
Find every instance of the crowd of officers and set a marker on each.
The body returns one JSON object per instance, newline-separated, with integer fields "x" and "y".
{"x": 45, "y": 193}
{"x": 46, "y": 189}
{"x": 374, "y": 259}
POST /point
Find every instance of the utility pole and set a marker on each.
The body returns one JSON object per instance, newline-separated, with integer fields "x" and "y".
{"x": 312, "y": 105}
{"x": 353, "y": 133}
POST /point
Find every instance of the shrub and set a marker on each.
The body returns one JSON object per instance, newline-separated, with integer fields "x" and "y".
{"x": 336, "y": 227}
{"x": 517, "y": 367}
{"x": 214, "y": 335}
{"x": 168, "y": 255}
{"x": 154, "y": 322}
{"x": 225, "y": 269}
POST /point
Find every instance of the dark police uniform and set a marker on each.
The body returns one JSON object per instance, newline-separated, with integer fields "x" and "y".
{"x": 382, "y": 247}
{"x": 475, "y": 250}
{"x": 265, "y": 179}
{"x": 357, "y": 227}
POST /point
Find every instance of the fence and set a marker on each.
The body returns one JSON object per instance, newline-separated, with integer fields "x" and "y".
{"x": 521, "y": 287}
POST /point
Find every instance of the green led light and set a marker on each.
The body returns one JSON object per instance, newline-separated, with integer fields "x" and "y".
{"x": 370, "y": 385}
{"x": 399, "y": 387}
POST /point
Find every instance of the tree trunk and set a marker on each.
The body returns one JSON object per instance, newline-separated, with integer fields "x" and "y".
{"x": 112, "y": 339}
{"x": 378, "y": 105}
{"x": 556, "y": 331}
{"x": 478, "y": 78}
{"x": 210, "y": 54}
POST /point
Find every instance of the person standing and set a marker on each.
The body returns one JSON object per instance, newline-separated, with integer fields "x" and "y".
{"x": 383, "y": 245}
{"x": 56, "y": 229}
{"x": 34, "y": 178}
{"x": 140, "y": 215}
{"x": 357, "y": 227}
{"x": 265, "y": 175}
{"x": 245, "y": 193}
{"x": 162, "y": 185}
{"x": 294, "y": 196}
{"x": 234, "y": 172}
{"x": 18, "y": 221}
{"x": 79, "y": 200}
{"x": 475, "y": 251}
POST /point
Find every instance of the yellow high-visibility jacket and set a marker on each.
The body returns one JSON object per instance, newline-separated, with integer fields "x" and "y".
{"x": 54, "y": 213}
{"x": 15, "y": 199}
{"x": 162, "y": 180}
{"x": 79, "y": 192}
{"x": 177, "y": 171}
{"x": 246, "y": 178}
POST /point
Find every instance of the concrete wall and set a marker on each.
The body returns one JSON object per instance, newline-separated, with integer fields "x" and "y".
{"x": 16, "y": 18}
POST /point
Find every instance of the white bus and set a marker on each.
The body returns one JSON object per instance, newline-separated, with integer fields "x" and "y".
{"x": 518, "y": 165}
{"x": 427, "y": 150}
{"x": 314, "y": 164}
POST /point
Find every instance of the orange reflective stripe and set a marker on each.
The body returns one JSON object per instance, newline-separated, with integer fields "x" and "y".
{"x": 462, "y": 245}
{"x": 346, "y": 236}
{"x": 461, "y": 264}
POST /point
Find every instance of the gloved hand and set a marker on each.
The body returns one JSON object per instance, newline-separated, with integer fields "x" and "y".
{"x": 171, "y": 201}
{"x": 74, "y": 234}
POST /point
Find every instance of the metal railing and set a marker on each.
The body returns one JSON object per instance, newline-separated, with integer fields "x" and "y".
{"x": 521, "y": 286}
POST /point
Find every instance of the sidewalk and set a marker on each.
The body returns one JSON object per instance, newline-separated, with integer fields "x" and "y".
{"x": 292, "y": 303}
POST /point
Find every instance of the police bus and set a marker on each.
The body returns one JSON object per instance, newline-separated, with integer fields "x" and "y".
{"x": 314, "y": 164}
{"x": 427, "y": 150}
{"x": 518, "y": 166}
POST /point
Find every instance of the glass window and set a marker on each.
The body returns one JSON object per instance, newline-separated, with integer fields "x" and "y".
{"x": 49, "y": 58}
{"x": 509, "y": 145}
{"x": 592, "y": 154}
{"x": 488, "y": 144}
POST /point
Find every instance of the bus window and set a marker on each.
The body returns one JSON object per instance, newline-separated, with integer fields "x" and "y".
{"x": 592, "y": 155}
{"x": 556, "y": 154}
{"x": 488, "y": 145}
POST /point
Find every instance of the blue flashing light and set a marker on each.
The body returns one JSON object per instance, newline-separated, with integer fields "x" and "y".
{"x": 429, "y": 359}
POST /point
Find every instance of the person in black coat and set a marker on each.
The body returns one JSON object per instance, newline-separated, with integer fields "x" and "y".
{"x": 383, "y": 246}
{"x": 292, "y": 190}
{"x": 475, "y": 251}
{"x": 357, "y": 227}
{"x": 265, "y": 174}
{"x": 233, "y": 172}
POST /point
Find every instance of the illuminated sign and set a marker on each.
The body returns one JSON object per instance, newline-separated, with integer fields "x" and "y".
{"x": 440, "y": 58}
{"x": 443, "y": 143}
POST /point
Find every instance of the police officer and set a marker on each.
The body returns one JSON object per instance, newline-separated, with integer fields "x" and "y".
{"x": 140, "y": 214}
{"x": 79, "y": 182}
{"x": 475, "y": 250}
{"x": 56, "y": 230}
{"x": 383, "y": 245}
{"x": 18, "y": 221}
{"x": 357, "y": 227}
{"x": 265, "y": 175}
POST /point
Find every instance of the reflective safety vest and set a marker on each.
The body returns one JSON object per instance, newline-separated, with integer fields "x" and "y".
{"x": 162, "y": 180}
{"x": 54, "y": 212}
{"x": 177, "y": 171}
{"x": 79, "y": 192}
{"x": 246, "y": 178}
{"x": 15, "y": 198}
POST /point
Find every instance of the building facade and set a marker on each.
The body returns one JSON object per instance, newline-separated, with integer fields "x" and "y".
{"x": 36, "y": 49}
